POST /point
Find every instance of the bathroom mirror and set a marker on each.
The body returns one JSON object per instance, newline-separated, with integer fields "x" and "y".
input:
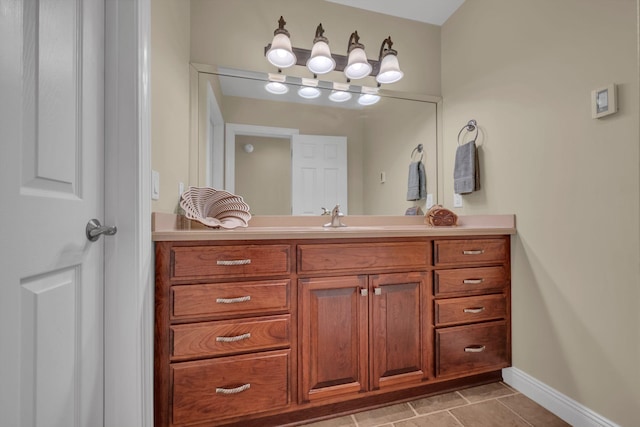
{"x": 242, "y": 138}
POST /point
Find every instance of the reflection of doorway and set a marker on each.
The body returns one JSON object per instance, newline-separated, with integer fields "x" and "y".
{"x": 319, "y": 167}
{"x": 263, "y": 174}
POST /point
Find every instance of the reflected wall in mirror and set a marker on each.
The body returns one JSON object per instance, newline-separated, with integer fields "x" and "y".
{"x": 381, "y": 139}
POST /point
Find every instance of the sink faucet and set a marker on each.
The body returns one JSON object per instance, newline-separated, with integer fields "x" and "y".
{"x": 336, "y": 216}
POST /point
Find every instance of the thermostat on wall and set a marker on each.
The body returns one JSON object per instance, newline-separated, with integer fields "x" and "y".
{"x": 603, "y": 101}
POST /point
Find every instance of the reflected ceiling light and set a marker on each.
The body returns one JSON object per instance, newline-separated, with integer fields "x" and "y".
{"x": 276, "y": 84}
{"x": 389, "y": 67}
{"x": 357, "y": 65}
{"x": 320, "y": 61}
{"x": 339, "y": 93}
{"x": 280, "y": 52}
{"x": 369, "y": 96}
{"x": 309, "y": 89}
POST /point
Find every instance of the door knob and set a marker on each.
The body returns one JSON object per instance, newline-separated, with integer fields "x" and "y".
{"x": 94, "y": 230}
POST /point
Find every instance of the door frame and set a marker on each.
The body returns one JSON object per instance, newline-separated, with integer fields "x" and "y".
{"x": 129, "y": 277}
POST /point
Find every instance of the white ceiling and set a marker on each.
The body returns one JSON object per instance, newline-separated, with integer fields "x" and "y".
{"x": 429, "y": 11}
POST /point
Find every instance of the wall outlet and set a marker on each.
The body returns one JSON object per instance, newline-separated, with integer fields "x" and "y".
{"x": 457, "y": 200}
{"x": 180, "y": 188}
{"x": 155, "y": 185}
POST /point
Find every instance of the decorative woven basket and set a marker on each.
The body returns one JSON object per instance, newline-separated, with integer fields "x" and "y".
{"x": 438, "y": 216}
{"x": 215, "y": 208}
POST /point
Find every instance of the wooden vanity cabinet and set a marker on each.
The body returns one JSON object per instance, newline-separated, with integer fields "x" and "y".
{"x": 273, "y": 332}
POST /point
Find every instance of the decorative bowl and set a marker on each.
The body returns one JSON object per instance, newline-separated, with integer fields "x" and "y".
{"x": 215, "y": 208}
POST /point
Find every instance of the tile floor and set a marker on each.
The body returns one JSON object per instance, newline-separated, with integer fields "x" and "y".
{"x": 492, "y": 405}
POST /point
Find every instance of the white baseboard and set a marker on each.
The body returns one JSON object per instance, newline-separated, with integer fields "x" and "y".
{"x": 563, "y": 406}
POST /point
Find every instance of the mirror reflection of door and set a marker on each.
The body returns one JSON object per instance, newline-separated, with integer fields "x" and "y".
{"x": 319, "y": 170}
{"x": 263, "y": 174}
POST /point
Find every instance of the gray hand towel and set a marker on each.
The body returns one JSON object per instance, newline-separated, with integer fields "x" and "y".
{"x": 466, "y": 173}
{"x": 417, "y": 182}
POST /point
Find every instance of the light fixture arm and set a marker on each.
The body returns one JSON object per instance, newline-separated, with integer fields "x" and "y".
{"x": 354, "y": 42}
{"x": 320, "y": 34}
{"x": 384, "y": 52}
{"x": 281, "y": 29}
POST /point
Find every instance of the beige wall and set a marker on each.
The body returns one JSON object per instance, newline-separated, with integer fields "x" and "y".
{"x": 525, "y": 70}
{"x": 170, "y": 98}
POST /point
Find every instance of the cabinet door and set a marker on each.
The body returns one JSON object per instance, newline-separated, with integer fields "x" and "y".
{"x": 333, "y": 336}
{"x": 399, "y": 328}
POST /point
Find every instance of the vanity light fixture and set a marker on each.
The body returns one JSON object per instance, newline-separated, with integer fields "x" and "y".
{"x": 369, "y": 96}
{"x": 340, "y": 92}
{"x": 389, "y": 68}
{"x": 276, "y": 84}
{"x": 281, "y": 53}
{"x": 309, "y": 89}
{"x": 320, "y": 60}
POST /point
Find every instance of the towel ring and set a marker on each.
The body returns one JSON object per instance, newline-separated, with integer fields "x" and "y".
{"x": 419, "y": 149}
{"x": 469, "y": 127}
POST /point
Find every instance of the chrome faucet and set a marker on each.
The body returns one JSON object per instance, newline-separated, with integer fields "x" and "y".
{"x": 336, "y": 218}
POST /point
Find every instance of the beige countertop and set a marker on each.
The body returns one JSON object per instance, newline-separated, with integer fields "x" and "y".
{"x": 170, "y": 227}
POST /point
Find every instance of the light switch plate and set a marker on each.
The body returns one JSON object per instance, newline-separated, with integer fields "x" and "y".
{"x": 155, "y": 185}
{"x": 457, "y": 200}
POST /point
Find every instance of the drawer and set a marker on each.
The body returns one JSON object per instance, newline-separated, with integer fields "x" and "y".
{"x": 469, "y": 251}
{"x": 360, "y": 256}
{"x": 470, "y": 281}
{"x": 216, "y": 299}
{"x": 454, "y": 311}
{"x": 230, "y": 261}
{"x": 230, "y": 336}
{"x": 471, "y": 349}
{"x": 216, "y": 389}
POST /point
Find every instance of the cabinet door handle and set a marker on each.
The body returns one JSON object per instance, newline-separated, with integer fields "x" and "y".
{"x": 474, "y": 310}
{"x": 473, "y": 252}
{"x": 377, "y": 291}
{"x": 472, "y": 281}
{"x": 364, "y": 292}
{"x": 234, "y": 339}
{"x": 220, "y": 390}
{"x": 234, "y": 262}
{"x": 233, "y": 300}
{"x": 474, "y": 349}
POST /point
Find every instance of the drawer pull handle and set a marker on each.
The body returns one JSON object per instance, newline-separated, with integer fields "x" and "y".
{"x": 473, "y": 252}
{"x": 474, "y": 310}
{"x": 233, "y": 300}
{"x": 472, "y": 281}
{"x": 234, "y": 262}
{"x": 220, "y": 390}
{"x": 474, "y": 349}
{"x": 234, "y": 339}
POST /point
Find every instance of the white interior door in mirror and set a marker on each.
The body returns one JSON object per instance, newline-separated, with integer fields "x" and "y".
{"x": 319, "y": 173}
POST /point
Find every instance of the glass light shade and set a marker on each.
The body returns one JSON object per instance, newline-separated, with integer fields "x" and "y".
{"x": 281, "y": 55}
{"x": 389, "y": 70}
{"x": 339, "y": 96}
{"x": 320, "y": 61}
{"x": 357, "y": 66}
{"x": 276, "y": 88}
{"x": 309, "y": 92}
{"x": 368, "y": 99}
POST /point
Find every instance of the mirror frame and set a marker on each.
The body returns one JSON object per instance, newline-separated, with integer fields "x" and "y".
{"x": 219, "y": 159}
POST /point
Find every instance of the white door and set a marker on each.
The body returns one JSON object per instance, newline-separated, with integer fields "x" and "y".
{"x": 51, "y": 185}
{"x": 319, "y": 173}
